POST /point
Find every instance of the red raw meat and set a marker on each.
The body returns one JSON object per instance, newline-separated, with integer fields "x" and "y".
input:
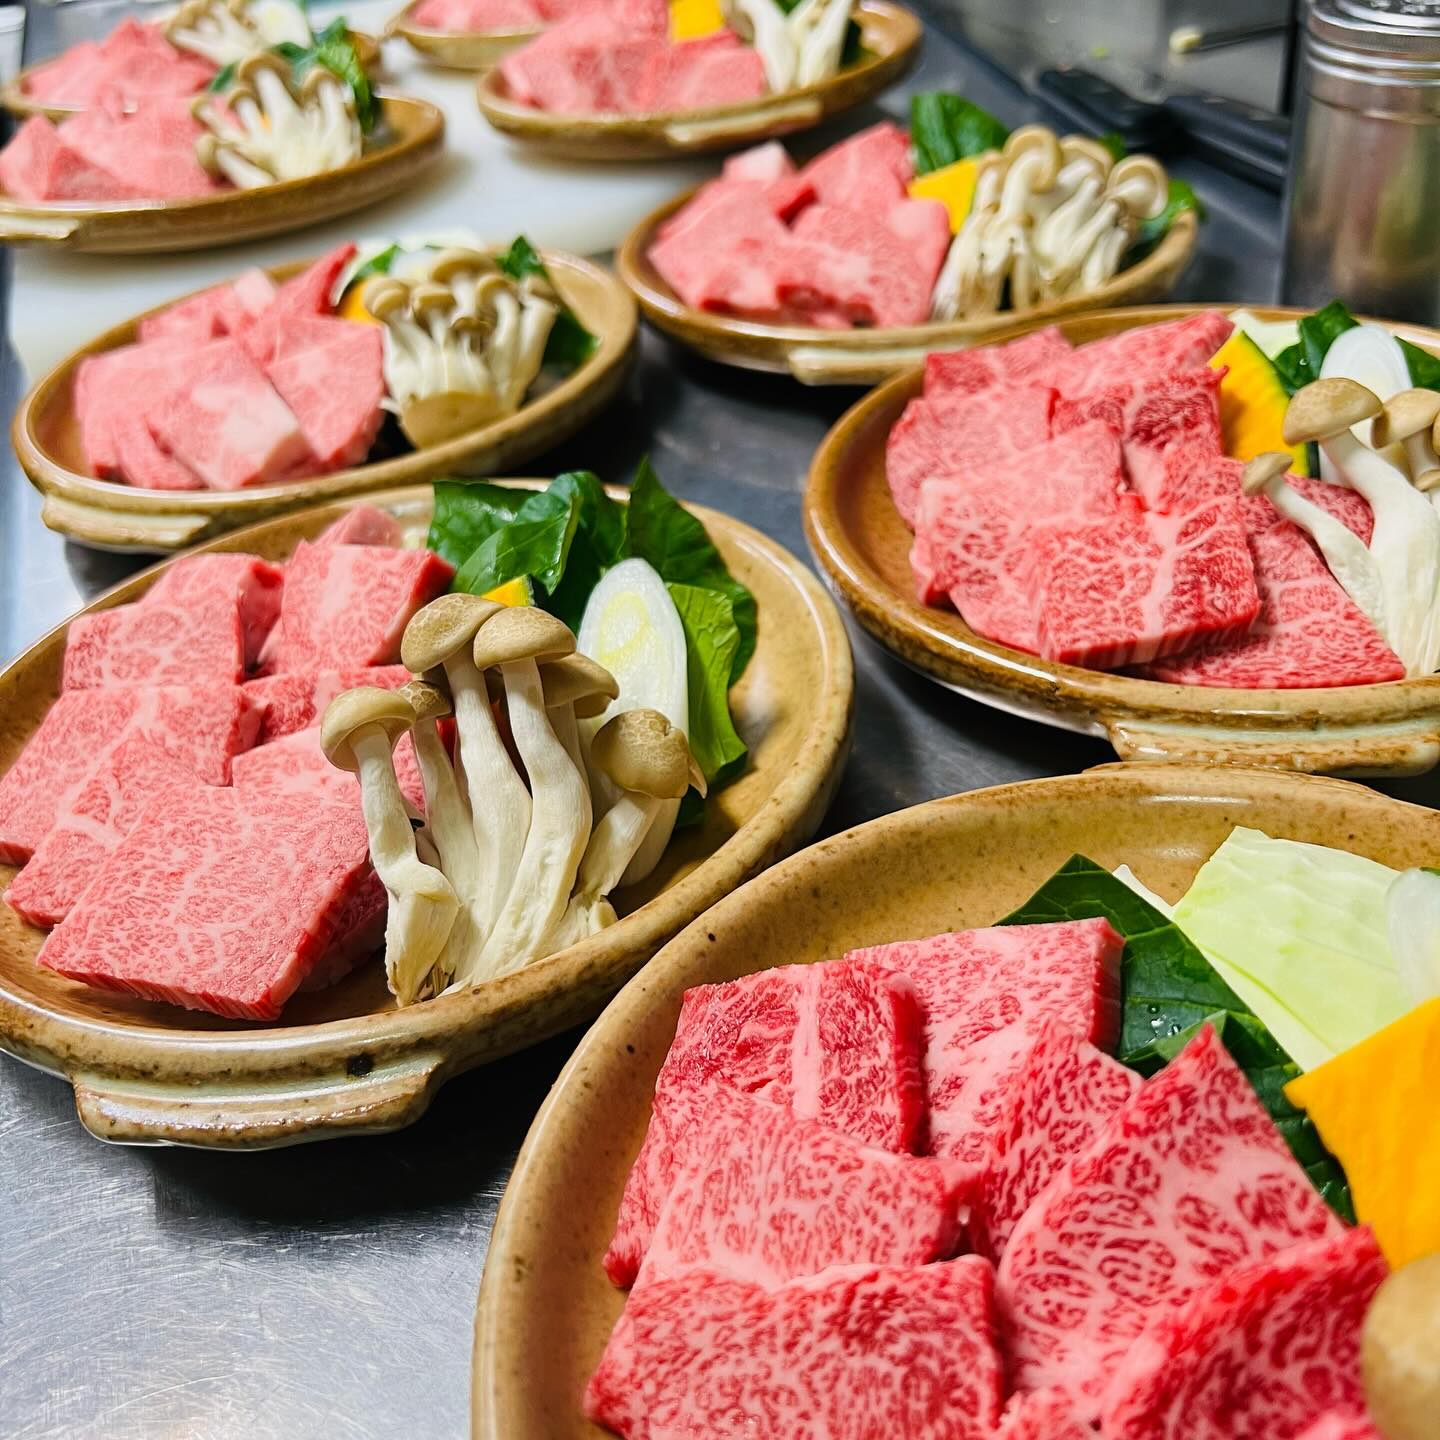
{"x": 768, "y": 165}
{"x": 297, "y": 699}
{"x": 854, "y": 262}
{"x": 1190, "y": 1181}
{"x": 864, "y": 171}
{"x": 1043, "y": 1415}
{"x": 346, "y": 606}
{"x": 767, "y": 1197}
{"x": 949, "y": 435}
{"x": 984, "y": 994}
{"x": 763, "y": 164}
{"x": 857, "y": 1353}
{"x": 584, "y": 64}
{"x": 203, "y": 725}
{"x": 924, "y": 226}
{"x": 1140, "y": 586}
{"x": 152, "y": 146}
{"x": 217, "y": 900}
{"x": 1310, "y": 633}
{"x": 157, "y": 643}
{"x": 296, "y": 765}
{"x": 723, "y": 253}
{"x": 1257, "y": 1353}
{"x": 701, "y": 74}
{"x": 477, "y": 15}
{"x": 973, "y": 533}
{"x": 1032, "y": 358}
{"x": 37, "y": 165}
{"x": 132, "y": 62}
{"x": 303, "y": 297}
{"x": 1147, "y": 350}
{"x": 73, "y": 77}
{"x": 363, "y": 525}
{"x": 1342, "y": 1425}
{"x": 249, "y": 583}
{"x": 838, "y": 1043}
{"x": 222, "y": 310}
{"x": 331, "y": 374}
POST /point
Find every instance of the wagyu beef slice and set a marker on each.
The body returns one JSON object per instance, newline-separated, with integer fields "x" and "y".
{"x": 251, "y": 584}
{"x": 984, "y": 994}
{"x": 151, "y": 146}
{"x": 725, "y": 257}
{"x": 763, "y": 1195}
{"x": 1257, "y": 1353}
{"x": 1188, "y": 1182}
{"x": 700, "y": 74}
{"x": 37, "y": 165}
{"x": 222, "y": 310}
{"x": 1342, "y": 1425}
{"x": 865, "y": 171}
{"x": 1043, "y": 1415}
{"x": 295, "y": 764}
{"x": 853, "y": 1354}
{"x": 1309, "y": 633}
{"x": 347, "y": 606}
{"x": 838, "y": 1043}
{"x": 216, "y": 900}
{"x": 1029, "y": 360}
{"x": 303, "y": 297}
{"x": 157, "y": 643}
{"x": 1144, "y": 351}
{"x": 363, "y": 525}
{"x": 582, "y": 65}
{"x": 227, "y": 424}
{"x": 204, "y": 725}
{"x": 331, "y": 375}
{"x": 1140, "y": 586}
{"x": 297, "y": 699}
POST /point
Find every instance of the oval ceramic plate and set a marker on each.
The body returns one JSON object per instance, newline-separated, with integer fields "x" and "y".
{"x": 344, "y": 1060}
{"x": 458, "y": 49}
{"x": 863, "y": 547}
{"x": 16, "y": 98}
{"x": 415, "y": 137}
{"x": 865, "y": 357}
{"x": 891, "y": 38}
{"x": 546, "y": 1308}
{"x": 106, "y": 513}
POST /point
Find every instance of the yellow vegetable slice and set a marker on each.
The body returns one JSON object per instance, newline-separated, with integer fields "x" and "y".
{"x": 953, "y": 185}
{"x": 513, "y": 592}
{"x": 1374, "y": 1106}
{"x": 694, "y": 19}
{"x": 351, "y": 308}
{"x": 1253, "y": 403}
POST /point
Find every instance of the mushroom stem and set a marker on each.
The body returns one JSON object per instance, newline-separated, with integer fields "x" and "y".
{"x": 613, "y": 845}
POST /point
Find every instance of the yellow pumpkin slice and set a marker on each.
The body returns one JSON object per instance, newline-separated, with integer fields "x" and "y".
{"x": 1252, "y": 403}
{"x": 953, "y": 185}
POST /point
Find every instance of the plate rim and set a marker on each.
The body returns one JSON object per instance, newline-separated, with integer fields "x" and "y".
{"x": 458, "y": 49}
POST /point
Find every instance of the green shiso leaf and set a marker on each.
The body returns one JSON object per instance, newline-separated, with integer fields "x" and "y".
{"x": 570, "y": 344}
{"x": 945, "y": 128}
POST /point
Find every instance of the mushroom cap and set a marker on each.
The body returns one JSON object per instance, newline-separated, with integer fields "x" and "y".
{"x": 442, "y": 629}
{"x": 1263, "y": 470}
{"x": 316, "y": 78}
{"x": 1325, "y": 408}
{"x": 1404, "y": 415}
{"x": 259, "y": 60}
{"x": 428, "y": 297}
{"x": 429, "y": 702}
{"x": 1038, "y": 140}
{"x": 359, "y": 709}
{"x": 207, "y": 153}
{"x": 1398, "y": 1345}
{"x": 641, "y": 751}
{"x": 1139, "y": 182}
{"x": 579, "y": 681}
{"x": 522, "y": 632}
{"x": 1076, "y": 147}
{"x": 459, "y": 260}
{"x": 383, "y": 295}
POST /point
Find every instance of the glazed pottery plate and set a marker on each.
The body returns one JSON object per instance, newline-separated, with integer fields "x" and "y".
{"x": 411, "y": 139}
{"x": 546, "y": 1308}
{"x": 114, "y": 516}
{"x": 15, "y": 96}
{"x": 891, "y": 40}
{"x": 458, "y": 49}
{"x": 863, "y": 548}
{"x": 345, "y": 1060}
{"x": 865, "y": 357}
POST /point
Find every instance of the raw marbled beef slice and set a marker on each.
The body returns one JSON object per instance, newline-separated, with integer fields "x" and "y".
{"x": 247, "y": 581}
{"x": 1145, "y": 350}
{"x": 854, "y": 1354}
{"x": 296, "y": 765}
{"x": 1343, "y": 1425}
{"x": 865, "y": 171}
{"x": 1258, "y": 1353}
{"x": 1190, "y": 1181}
{"x": 1029, "y": 360}
{"x": 297, "y": 699}
{"x": 363, "y": 525}
{"x": 837, "y": 1042}
{"x": 157, "y": 642}
{"x": 1043, "y": 1415}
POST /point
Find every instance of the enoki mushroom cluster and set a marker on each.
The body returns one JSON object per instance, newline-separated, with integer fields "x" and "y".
{"x": 801, "y": 47}
{"x": 226, "y": 31}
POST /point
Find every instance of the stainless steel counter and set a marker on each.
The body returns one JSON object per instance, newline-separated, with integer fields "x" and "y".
{"x": 327, "y": 1291}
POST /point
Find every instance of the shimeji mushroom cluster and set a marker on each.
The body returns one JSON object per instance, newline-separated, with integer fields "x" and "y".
{"x": 513, "y": 861}
{"x": 463, "y": 342}
{"x": 1395, "y": 579}
{"x": 801, "y": 47}
{"x": 224, "y": 32}
{"x": 1049, "y": 218}
{"x": 267, "y": 127}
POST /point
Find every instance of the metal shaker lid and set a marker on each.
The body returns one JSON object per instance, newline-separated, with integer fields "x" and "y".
{"x": 1381, "y": 27}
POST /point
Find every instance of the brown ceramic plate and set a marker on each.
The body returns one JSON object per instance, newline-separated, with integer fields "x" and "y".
{"x": 864, "y": 357}
{"x": 458, "y": 49}
{"x": 863, "y": 546}
{"x": 412, "y": 140}
{"x": 344, "y": 1060}
{"x": 546, "y": 1307}
{"x": 891, "y": 37}
{"x": 16, "y": 98}
{"x": 105, "y": 513}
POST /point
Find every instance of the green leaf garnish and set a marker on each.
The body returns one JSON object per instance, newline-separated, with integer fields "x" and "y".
{"x": 711, "y": 641}
{"x": 945, "y": 128}
{"x": 1151, "y": 232}
{"x": 536, "y": 542}
{"x": 222, "y": 79}
{"x": 570, "y": 343}
{"x": 333, "y": 49}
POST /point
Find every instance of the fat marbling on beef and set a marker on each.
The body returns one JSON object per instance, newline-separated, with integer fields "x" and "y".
{"x": 157, "y": 642}
{"x": 1144, "y": 350}
{"x": 363, "y": 525}
{"x": 251, "y": 584}
{"x": 296, "y": 699}
{"x": 1029, "y": 360}
{"x": 1043, "y": 1415}
{"x": 295, "y": 764}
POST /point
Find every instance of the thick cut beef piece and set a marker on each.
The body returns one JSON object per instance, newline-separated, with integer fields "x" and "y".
{"x": 331, "y": 374}
{"x": 251, "y": 584}
{"x": 222, "y": 310}
{"x": 1342, "y": 1425}
{"x": 150, "y": 145}
{"x": 1043, "y": 1415}
{"x": 984, "y": 994}
{"x": 1186, "y": 1184}
{"x": 156, "y": 643}
{"x": 723, "y": 256}
{"x": 304, "y": 297}
{"x": 132, "y": 62}
{"x": 865, "y": 171}
{"x": 297, "y": 699}
{"x": 586, "y": 64}
{"x": 217, "y": 899}
{"x": 854, "y": 1354}
{"x": 363, "y": 525}
{"x": 1030, "y": 360}
{"x": 203, "y": 725}
{"x": 37, "y": 165}
{"x": 346, "y": 606}
{"x": 973, "y": 533}
{"x": 838, "y": 1043}
{"x": 1309, "y": 634}
{"x": 766, "y": 1196}
{"x": 296, "y": 765}
{"x": 770, "y": 166}
{"x": 1061, "y": 1097}
{"x": 952, "y": 435}
{"x": 1140, "y": 586}
{"x": 700, "y": 74}
{"x": 1144, "y": 351}
{"x": 1260, "y": 1352}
